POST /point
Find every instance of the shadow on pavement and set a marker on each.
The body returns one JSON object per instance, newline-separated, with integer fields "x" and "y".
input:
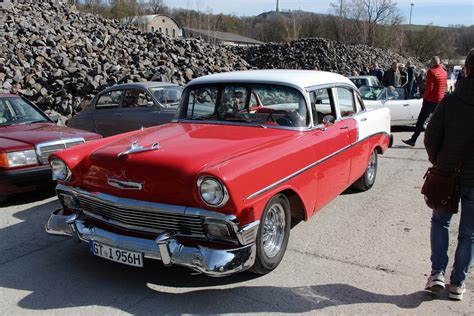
{"x": 30, "y": 197}
{"x": 50, "y": 272}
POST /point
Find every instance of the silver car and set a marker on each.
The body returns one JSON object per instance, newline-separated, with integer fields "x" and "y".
{"x": 127, "y": 107}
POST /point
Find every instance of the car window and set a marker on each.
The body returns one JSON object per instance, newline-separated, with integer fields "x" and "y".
{"x": 202, "y": 102}
{"x": 109, "y": 100}
{"x": 136, "y": 98}
{"x": 359, "y": 103}
{"x": 167, "y": 96}
{"x": 345, "y": 99}
{"x": 321, "y": 105}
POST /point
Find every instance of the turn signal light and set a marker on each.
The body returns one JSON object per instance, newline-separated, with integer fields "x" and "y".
{"x": 3, "y": 160}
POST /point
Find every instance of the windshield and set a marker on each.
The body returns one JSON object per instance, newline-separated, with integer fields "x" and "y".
{"x": 15, "y": 110}
{"x": 268, "y": 105}
{"x": 371, "y": 93}
{"x": 167, "y": 96}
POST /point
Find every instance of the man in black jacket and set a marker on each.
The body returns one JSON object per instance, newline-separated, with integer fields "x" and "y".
{"x": 392, "y": 76}
{"x": 449, "y": 139}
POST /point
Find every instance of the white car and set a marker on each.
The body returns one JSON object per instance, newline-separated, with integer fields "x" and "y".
{"x": 403, "y": 111}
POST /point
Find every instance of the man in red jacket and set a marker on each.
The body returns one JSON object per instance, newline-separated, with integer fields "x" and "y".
{"x": 436, "y": 79}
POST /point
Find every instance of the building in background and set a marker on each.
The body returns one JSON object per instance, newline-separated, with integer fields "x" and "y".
{"x": 216, "y": 37}
{"x": 159, "y": 23}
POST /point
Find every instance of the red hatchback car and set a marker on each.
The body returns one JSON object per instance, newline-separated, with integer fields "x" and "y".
{"x": 27, "y": 138}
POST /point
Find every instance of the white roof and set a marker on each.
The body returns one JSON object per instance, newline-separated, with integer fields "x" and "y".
{"x": 296, "y": 78}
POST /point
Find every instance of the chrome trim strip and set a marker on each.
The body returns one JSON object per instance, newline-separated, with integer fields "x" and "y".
{"x": 271, "y": 186}
{"x": 124, "y": 185}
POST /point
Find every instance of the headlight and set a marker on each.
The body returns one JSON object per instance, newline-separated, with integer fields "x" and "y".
{"x": 60, "y": 171}
{"x": 212, "y": 192}
{"x": 18, "y": 158}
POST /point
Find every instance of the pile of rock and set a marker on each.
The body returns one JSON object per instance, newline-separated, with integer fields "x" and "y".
{"x": 318, "y": 53}
{"x": 57, "y": 56}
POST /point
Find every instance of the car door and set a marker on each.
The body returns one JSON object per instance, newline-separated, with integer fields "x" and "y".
{"x": 395, "y": 100}
{"x": 352, "y": 112}
{"x": 331, "y": 147}
{"x": 138, "y": 110}
{"x": 106, "y": 108}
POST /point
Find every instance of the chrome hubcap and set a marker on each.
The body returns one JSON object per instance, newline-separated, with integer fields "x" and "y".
{"x": 274, "y": 230}
{"x": 371, "y": 168}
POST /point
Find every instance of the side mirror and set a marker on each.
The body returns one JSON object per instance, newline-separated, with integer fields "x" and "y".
{"x": 328, "y": 120}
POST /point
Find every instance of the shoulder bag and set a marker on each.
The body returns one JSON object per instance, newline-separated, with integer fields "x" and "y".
{"x": 441, "y": 189}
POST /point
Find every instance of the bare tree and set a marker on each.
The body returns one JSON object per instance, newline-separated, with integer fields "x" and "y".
{"x": 293, "y": 25}
{"x": 372, "y": 13}
{"x": 156, "y": 6}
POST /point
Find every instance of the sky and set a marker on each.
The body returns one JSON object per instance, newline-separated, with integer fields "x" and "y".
{"x": 437, "y": 12}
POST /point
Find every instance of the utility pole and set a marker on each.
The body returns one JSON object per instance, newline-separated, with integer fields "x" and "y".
{"x": 411, "y": 9}
{"x": 278, "y": 6}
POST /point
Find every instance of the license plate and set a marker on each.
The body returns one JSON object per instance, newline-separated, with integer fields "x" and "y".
{"x": 130, "y": 258}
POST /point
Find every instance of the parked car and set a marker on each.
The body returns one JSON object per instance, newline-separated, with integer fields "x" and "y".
{"x": 27, "y": 138}
{"x": 360, "y": 81}
{"x": 127, "y": 107}
{"x": 404, "y": 111}
{"x": 218, "y": 189}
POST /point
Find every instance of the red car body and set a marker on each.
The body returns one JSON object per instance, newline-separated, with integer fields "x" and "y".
{"x": 19, "y": 135}
{"x": 115, "y": 183}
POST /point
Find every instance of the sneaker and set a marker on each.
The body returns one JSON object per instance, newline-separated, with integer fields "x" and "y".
{"x": 435, "y": 282}
{"x": 456, "y": 291}
{"x": 409, "y": 142}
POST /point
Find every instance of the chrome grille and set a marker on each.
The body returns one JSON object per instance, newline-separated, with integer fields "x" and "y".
{"x": 142, "y": 220}
{"x": 43, "y": 150}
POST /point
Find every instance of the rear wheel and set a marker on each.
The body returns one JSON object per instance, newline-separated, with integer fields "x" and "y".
{"x": 273, "y": 234}
{"x": 368, "y": 178}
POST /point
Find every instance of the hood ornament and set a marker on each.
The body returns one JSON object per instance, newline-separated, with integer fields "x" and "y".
{"x": 124, "y": 185}
{"x": 135, "y": 148}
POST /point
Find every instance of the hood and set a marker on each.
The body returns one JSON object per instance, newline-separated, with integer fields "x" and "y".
{"x": 465, "y": 90}
{"x": 185, "y": 151}
{"x": 22, "y": 136}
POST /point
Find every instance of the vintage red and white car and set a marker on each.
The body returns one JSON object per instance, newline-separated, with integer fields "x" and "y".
{"x": 249, "y": 155}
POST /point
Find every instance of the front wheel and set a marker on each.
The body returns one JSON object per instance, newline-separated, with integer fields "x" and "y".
{"x": 368, "y": 178}
{"x": 273, "y": 234}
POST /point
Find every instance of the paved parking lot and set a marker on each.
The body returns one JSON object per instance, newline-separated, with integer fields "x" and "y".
{"x": 365, "y": 253}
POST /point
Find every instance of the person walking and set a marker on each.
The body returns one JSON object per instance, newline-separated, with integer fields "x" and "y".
{"x": 436, "y": 79}
{"x": 376, "y": 71}
{"x": 392, "y": 76}
{"x": 448, "y": 138}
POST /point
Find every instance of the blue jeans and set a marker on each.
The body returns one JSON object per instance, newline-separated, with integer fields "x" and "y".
{"x": 440, "y": 223}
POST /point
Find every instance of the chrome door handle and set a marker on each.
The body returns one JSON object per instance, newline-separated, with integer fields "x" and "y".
{"x": 118, "y": 114}
{"x": 344, "y": 127}
{"x": 364, "y": 119}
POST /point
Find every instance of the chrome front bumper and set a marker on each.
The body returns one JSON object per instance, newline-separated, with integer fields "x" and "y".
{"x": 166, "y": 247}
